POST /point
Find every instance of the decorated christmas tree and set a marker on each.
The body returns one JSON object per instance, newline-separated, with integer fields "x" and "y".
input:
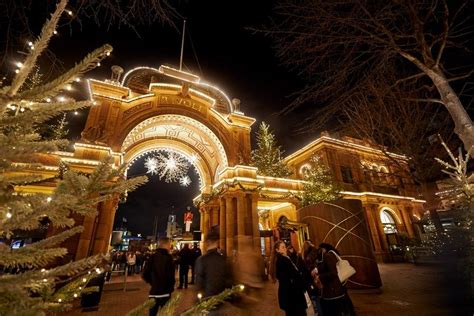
{"x": 267, "y": 156}
{"x": 319, "y": 183}
{"x": 32, "y": 279}
{"x": 460, "y": 194}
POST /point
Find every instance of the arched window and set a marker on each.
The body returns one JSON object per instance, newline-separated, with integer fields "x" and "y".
{"x": 388, "y": 222}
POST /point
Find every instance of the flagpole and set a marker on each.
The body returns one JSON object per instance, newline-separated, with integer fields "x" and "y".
{"x": 182, "y": 47}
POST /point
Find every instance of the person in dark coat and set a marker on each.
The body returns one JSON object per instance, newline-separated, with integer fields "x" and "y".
{"x": 334, "y": 299}
{"x": 292, "y": 253}
{"x": 305, "y": 265}
{"x": 213, "y": 271}
{"x": 185, "y": 259}
{"x": 290, "y": 284}
{"x": 196, "y": 254}
{"x": 159, "y": 273}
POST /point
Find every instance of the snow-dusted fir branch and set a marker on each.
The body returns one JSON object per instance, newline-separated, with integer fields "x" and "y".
{"x": 29, "y": 285}
{"x": 36, "y": 49}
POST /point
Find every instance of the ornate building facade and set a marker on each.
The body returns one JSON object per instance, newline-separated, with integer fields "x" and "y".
{"x": 390, "y": 199}
{"x": 164, "y": 108}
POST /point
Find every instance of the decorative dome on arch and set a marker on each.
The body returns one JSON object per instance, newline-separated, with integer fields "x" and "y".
{"x": 139, "y": 80}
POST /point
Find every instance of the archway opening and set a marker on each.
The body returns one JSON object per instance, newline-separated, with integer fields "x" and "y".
{"x": 388, "y": 222}
{"x": 158, "y": 208}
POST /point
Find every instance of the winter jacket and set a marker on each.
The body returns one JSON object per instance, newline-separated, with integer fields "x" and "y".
{"x": 213, "y": 273}
{"x": 159, "y": 272}
{"x": 327, "y": 272}
{"x": 291, "y": 287}
{"x": 185, "y": 257}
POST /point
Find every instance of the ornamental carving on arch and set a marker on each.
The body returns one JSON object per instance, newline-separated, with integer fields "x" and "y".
{"x": 180, "y": 128}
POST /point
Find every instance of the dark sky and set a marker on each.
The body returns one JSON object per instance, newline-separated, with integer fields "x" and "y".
{"x": 156, "y": 198}
{"x": 225, "y": 53}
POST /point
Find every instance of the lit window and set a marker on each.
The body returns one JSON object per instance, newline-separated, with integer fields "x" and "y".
{"x": 388, "y": 223}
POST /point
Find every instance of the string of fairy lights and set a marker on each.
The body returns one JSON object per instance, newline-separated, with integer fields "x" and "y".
{"x": 35, "y": 80}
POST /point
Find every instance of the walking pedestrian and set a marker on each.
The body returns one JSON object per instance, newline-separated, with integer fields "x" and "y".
{"x": 131, "y": 261}
{"x": 290, "y": 284}
{"x": 213, "y": 271}
{"x": 196, "y": 254}
{"x": 185, "y": 258}
{"x": 159, "y": 273}
{"x": 139, "y": 260}
{"x": 123, "y": 261}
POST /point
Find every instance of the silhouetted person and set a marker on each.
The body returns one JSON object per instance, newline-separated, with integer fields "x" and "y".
{"x": 159, "y": 273}
{"x": 185, "y": 260}
{"x": 196, "y": 254}
{"x": 213, "y": 272}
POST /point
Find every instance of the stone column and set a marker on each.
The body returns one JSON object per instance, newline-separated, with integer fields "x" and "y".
{"x": 86, "y": 238}
{"x": 215, "y": 216}
{"x": 373, "y": 228}
{"x": 229, "y": 219}
{"x": 255, "y": 230}
{"x": 240, "y": 219}
{"x": 222, "y": 223}
{"x": 206, "y": 225}
{"x": 104, "y": 226}
{"x": 201, "y": 221}
{"x": 407, "y": 220}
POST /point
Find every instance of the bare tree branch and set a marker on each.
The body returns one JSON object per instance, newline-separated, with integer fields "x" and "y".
{"x": 336, "y": 45}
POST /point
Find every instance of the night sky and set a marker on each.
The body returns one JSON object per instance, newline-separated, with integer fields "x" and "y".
{"x": 225, "y": 53}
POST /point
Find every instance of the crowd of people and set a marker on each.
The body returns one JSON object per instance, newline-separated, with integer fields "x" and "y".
{"x": 131, "y": 261}
{"x": 309, "y": 279}
{"x": 306, "y": 281}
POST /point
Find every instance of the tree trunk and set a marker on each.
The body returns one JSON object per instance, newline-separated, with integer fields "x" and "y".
{"x": 463, "y": 125}
{"x": 471, "y": 252}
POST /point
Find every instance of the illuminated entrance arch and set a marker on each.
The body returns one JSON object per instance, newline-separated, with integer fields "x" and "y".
{"x": 166, "y": 109}
{"x": 184, "y": 135}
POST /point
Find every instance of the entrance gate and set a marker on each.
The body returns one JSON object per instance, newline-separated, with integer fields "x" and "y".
{"x": 156, "y": 109}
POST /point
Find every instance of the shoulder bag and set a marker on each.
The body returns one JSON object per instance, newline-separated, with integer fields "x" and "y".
{"x": 344, "y": 268}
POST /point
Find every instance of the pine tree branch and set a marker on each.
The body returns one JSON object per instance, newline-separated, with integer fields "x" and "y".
{"x": 212, "y": 302}
{"x": 43, "y": 112}
{"x": 50, "y": 89}
{"x": 56, "y": 239}
{"x": 27, "y": 257}
{"x": 39, "y": 46}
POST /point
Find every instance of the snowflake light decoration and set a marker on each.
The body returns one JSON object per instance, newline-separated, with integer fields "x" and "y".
{"x": 185, "y": 181}
{"x": 151, "y": 164}
{"x": 170, "y": 166}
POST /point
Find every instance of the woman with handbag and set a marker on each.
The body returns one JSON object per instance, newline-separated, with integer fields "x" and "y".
{"x": 291, "y": 290}
{"x": 335, "y": 300}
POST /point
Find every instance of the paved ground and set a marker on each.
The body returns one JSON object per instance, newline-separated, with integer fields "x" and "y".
{"x": 408, "y": 290}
